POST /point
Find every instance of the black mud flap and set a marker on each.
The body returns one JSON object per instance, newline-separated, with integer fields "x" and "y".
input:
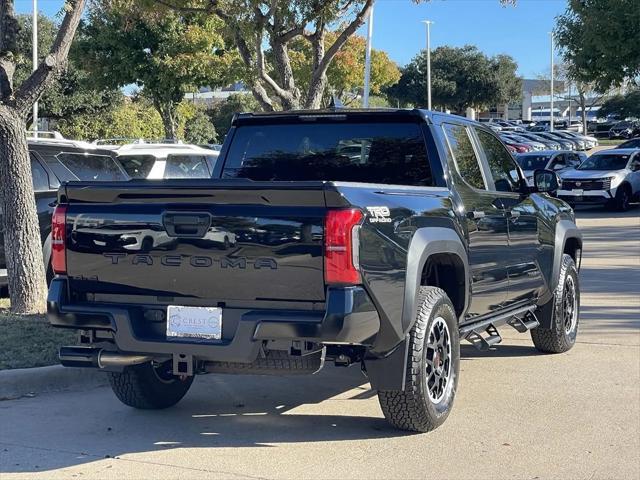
{"x": 389, "y": 373}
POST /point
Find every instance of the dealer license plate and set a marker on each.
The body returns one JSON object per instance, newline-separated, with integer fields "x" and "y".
{"x": 578, "y": 192}
{"x": 194, "y": 322}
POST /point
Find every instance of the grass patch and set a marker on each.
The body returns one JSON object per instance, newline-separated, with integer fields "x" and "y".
{"x": 610, "y": 142}
{"x": 28, "y": 340}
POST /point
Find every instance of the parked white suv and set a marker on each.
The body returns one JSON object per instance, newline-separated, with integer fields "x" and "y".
{"x": 608, "y": 177}
{"x": 157, "y": 161}
{"x": 557, "y": 160}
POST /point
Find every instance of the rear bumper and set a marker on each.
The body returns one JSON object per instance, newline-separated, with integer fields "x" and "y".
{"x": 350, "y": 318}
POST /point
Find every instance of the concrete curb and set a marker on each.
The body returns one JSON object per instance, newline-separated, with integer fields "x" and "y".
{"x": 32, "y": 381}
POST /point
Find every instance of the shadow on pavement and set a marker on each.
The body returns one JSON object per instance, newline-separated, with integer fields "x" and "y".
{"x": 219, "y": 412}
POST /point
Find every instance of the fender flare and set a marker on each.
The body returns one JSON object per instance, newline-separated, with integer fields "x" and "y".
{"x": 389, "y": 372}
{"x": 565, "y": 230}
{"x": 426, "y": 242}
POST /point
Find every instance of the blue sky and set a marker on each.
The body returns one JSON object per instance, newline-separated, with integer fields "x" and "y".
{"x": 520, "y": 31}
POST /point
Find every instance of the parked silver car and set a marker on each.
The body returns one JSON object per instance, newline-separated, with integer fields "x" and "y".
{"x": 609, "y": 177}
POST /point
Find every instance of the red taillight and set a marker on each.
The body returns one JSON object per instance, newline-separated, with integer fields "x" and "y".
{"x": 340, "y": 247}
{"x": 59, "y": 239}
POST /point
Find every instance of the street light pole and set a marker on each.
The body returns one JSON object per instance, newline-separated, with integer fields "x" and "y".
{"x": 551, "y": 101}
{"x": 34, "y": 41}
{"x": 367, "y": 61}
{"x": 428, "y": 24}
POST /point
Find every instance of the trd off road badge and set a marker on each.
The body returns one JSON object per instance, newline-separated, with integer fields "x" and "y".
{"x": 379, "y": 215}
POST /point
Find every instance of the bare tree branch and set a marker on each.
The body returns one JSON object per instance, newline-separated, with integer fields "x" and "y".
{"x": 344, "y": 36}
{"x": 32, "y": 87}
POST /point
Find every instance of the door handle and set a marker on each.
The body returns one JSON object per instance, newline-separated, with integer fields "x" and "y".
{"x": 186, "y": 224}
{"x": 475, "y": 215}
{"x": 513, "y": 214}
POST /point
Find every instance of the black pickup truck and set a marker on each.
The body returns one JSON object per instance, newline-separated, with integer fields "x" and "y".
{"x": 379, "y": 238}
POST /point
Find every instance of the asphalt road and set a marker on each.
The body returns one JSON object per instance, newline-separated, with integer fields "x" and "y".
{"x": 518, "y": 414}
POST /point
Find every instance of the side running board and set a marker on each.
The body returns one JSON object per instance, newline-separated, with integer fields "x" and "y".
{"x": 484, "y": 334}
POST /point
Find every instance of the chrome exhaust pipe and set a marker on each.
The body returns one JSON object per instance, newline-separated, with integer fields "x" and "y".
{"x": 89, "y": 357}
{"x": 111, "y": 359}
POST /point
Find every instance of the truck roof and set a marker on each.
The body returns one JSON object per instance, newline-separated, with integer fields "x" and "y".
{"x": 369, "y": 114}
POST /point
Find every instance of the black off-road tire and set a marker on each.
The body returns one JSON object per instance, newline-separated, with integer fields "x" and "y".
{"x": 558, "y": 338}
{"x": 412, "y": 408}
{"x": 147, "y": 387}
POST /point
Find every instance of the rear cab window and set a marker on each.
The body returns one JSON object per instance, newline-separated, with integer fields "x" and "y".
{"x": 391, "y": 153}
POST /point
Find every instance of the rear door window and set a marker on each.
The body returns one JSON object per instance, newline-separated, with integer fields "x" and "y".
{"x": 464, "y": 155}
{"x": 559, "y": 162}
{"x": 388, "y": 153}
{"x": 186, "y": 166}
{"x": 85, "y": 167}
{"x": 137, "y": 166}
{"x": 501, "y": 164}
{"x": 39, "y": 176}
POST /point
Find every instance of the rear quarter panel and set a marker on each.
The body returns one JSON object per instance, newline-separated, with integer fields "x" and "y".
{"x": 384, "y": 245}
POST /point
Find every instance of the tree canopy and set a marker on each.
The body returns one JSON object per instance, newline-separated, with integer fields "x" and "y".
{"x": 600, "y": 41}
{"x": 70, "y": 93}
{"x": 462, "y": 77}
{"x": 622, "y": 106}
{"x": 345, "y": 75}
{"x": 256, "y": 24}
{"x": 165, "y": 53}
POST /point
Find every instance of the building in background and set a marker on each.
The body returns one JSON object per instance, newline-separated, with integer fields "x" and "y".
{"x": 209, "y": 97}
{"x": 535, "y": 103}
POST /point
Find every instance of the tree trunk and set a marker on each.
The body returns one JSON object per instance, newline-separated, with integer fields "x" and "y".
{"x": 25, "y": 265}
{"x": 168, "y": 114}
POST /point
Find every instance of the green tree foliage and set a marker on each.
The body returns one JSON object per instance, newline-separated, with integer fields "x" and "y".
{"x": 166, "y": 53}
{"x": 196, "y": 126}
{"x": 600, "y": 41}
{"x": 223, "y": 112}
{"x": 460, "y": 78}
{"x": 622, "y": 106}
{"x": 129, "y": 119}
{"x": 345, "y": 75}
{"x": 70, "y": 94}
{"x": 266, "y": 31}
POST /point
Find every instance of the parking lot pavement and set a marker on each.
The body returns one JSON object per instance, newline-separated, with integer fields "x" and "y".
{"x": 518, "y": 414}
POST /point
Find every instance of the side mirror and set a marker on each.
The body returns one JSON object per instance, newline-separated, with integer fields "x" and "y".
{"x": 546, "y": 181}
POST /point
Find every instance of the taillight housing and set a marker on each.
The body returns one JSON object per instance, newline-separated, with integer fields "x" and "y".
{"x": 341, "y": 247}
{"x": 59, "y": 240}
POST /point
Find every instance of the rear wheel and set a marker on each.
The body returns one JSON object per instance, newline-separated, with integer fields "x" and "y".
{"x": 432, "y": 367}
{"x": 149, "y": 387}
{"x": 561, "y": 313}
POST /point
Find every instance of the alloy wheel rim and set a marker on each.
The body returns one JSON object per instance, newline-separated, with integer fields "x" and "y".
{"x": 569, "y": 305}
{"x": 438, "y": 359}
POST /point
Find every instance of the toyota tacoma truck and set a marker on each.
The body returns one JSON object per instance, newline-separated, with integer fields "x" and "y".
{"x": 379, "y": 238}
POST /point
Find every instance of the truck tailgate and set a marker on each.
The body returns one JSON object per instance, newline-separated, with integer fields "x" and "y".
{"x": 192, "y": 241}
